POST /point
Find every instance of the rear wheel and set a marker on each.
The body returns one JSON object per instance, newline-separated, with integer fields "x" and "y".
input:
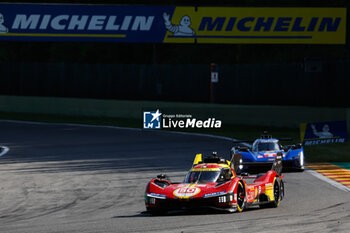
{"x": 240, "y": 197}
{"x": 282, "y": 189}
{"x": 276, "y": 194}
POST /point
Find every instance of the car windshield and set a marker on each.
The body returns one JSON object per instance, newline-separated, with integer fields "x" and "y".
{"x": 268, "y": 146}
{"x": 201, "y": 177}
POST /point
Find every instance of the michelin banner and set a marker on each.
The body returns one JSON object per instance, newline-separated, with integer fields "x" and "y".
{"x": 167, "y": 24}
{"x": 323, "y": 132}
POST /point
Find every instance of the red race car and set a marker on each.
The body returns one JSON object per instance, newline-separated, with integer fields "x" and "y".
{"x": 213, "y": 183}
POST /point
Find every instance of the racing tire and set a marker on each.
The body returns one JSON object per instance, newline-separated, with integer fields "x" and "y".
{"x": 299, "y": 169}
{"x": 282, "y": 190}
{"x": 240, "y": 197}
{"x": 276, "y": 194}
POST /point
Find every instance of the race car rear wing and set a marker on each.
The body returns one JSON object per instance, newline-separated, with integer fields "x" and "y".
{"x": 251, "y": 141}
{"x": 236, "y": 162}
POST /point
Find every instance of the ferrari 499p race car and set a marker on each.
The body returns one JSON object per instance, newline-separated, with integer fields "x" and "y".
{"x": 264, "y": 150}
{"x": 213, "y": 183}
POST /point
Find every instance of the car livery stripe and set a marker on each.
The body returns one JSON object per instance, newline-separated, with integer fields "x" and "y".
{"x": 214, "y": 194}
{"x": 205, "y": 169}
{"x": 157, "y": 195}
{"x": 332, "y": 171}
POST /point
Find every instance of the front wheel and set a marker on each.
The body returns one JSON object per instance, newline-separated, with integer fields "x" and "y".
{"x": 240, "y": 197}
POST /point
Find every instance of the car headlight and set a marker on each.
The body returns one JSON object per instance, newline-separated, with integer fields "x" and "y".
{"x": 222, "y": 199}
{"x": 240, "y": 164}
{"x": 225, "y": 198}
{"x": 301, "y": 155}
{"x": 230, "y": 197}
{"x": 151, "y": 200}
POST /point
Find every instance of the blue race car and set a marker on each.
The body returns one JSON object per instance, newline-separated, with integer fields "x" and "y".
{"x": 264, "y": 150}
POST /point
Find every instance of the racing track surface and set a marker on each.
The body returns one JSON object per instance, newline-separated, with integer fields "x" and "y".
{"x": 62, "y": 178}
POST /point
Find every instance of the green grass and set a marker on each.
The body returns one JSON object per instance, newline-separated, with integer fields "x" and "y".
{"x": 339, "y": 152}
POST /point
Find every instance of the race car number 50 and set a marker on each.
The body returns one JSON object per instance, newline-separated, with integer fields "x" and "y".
{"x": 186, "y": 192}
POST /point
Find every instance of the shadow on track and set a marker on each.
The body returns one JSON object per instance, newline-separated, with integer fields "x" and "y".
{"x": 185, "y": 213}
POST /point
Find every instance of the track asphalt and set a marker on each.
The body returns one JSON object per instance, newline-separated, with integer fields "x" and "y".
{"x": 65, "y": 178}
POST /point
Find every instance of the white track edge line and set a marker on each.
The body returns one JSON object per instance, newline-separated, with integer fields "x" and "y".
{"x": 328, "y": 180}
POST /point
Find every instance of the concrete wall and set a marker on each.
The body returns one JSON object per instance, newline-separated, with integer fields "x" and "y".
{"x": 280, "y": 116}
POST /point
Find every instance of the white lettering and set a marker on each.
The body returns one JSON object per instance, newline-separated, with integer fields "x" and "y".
{"x": 191, "y": 123}
{"x": 96, "y": 22}
{"x": 199, "y": 124}
{"x": 173, "y": 123}
{"x": 217, "y": 124}
{"x": 45, "y": 22}
{"x": 142, "y": 23}
{"x": 83, "y": 22}
{"x": 181, "y": 124}
{"x": 164, "y": 124}
{"x": 22, "y": 22}
{"x": 56, "y": 22}
{"x": 78, "y": 22}
{"x": 206, "y": 124}
{"x": 111, "y": 24}
{"x": 126, "y": 23}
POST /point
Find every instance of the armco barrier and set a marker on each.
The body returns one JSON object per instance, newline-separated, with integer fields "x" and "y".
{"x": 278, "y": 116}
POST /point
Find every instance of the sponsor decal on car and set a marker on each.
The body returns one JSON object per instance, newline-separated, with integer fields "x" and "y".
{"x": 270, "y": 155}
{"x": 156, "y": 195}
{"x": 186, "y": 192}
{"x": 214, "y": 194}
